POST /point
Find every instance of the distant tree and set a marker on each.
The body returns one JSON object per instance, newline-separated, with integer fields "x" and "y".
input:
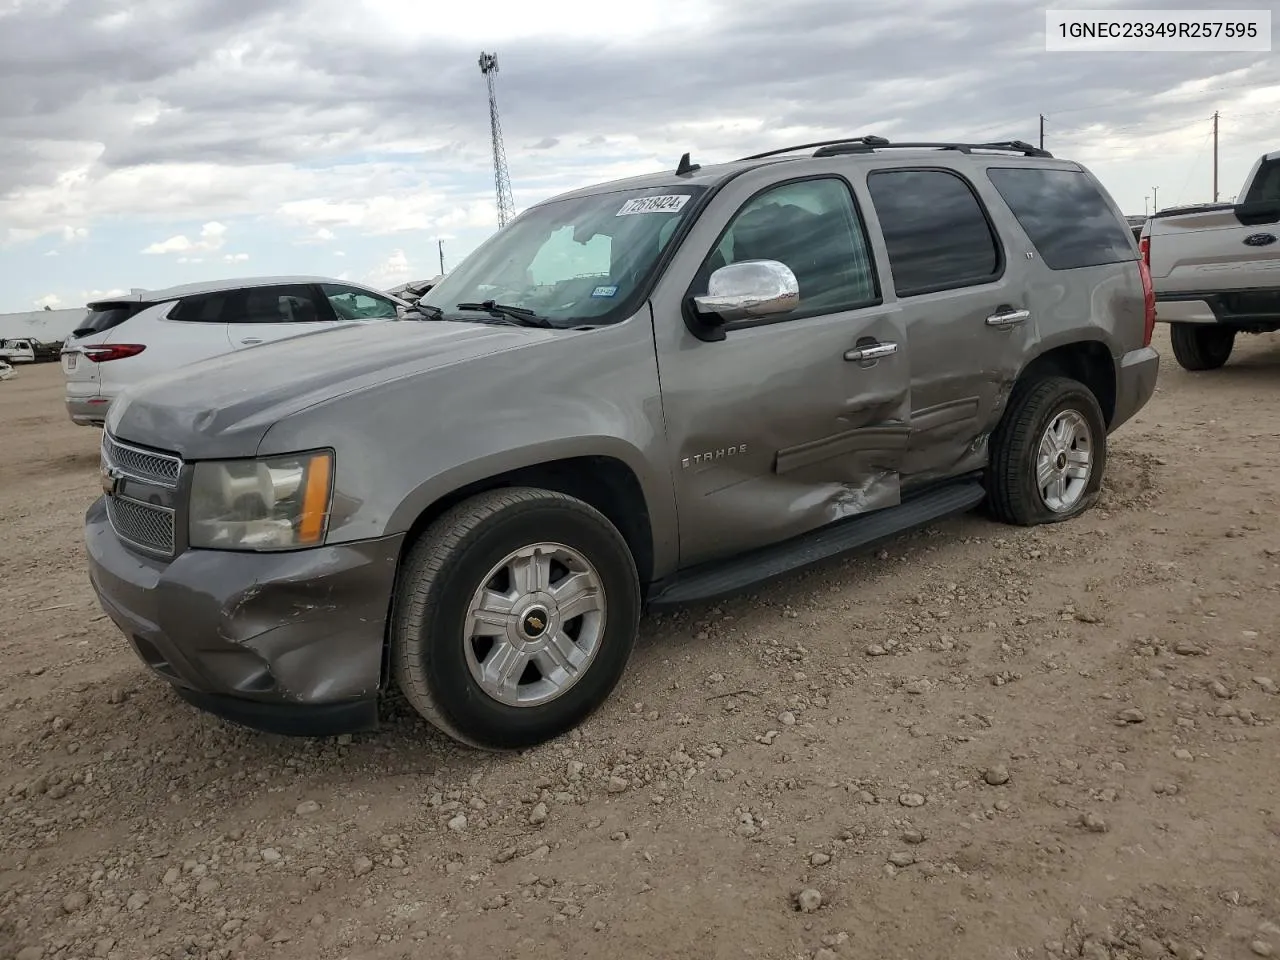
{"x": 47, "y": 307}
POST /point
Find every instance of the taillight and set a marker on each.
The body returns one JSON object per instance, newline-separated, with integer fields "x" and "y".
{"x": 1144, "y": 248}
{"x": 112, "y": 351}
{"x": 1148, "y": 303}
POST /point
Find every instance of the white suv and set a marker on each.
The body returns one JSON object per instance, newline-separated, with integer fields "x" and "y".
{"x": 127, "y": 339}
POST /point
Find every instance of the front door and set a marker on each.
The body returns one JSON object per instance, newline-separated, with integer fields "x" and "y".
{"x": 780, "y": 428}
{"x": 265, "y": 314}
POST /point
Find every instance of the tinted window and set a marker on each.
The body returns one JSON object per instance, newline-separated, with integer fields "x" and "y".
{"x": 814, "y": 228}
{"x": 293, "y": 303}
{"x": 104, "y": 316}
{"x": 1266, "y": 185}
{"x": 936, "y": 231}
{"x": 1067, "y": 219}
{"x": 209, "y": 308}
{"x": 350, "y": 303}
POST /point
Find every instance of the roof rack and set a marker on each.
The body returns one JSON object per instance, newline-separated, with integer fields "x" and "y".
{"x": 869, "y": 144}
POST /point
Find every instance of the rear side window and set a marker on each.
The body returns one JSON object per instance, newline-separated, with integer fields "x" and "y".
{"x": 103, "y": 316}
{"x": 209, "y": 308}
{"x": 1065, "y": 216}
{"x": 936, "y": 231}
{"x": 1265, "y": 187}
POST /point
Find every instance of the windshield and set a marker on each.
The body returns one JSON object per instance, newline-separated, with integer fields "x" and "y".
{"x": 573, "y": 261}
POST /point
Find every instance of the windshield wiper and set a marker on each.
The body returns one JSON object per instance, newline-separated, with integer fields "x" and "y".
{"x": 520, "y": 315}
{"x": 428, "y": 311}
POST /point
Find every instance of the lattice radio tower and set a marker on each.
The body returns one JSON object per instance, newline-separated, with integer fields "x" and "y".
{"x": 501, "y": 179}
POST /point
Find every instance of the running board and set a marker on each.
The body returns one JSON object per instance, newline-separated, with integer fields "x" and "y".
{"x": 719, "y": 579}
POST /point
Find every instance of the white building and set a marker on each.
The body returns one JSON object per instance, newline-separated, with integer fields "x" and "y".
{"x": 47, "y": 326}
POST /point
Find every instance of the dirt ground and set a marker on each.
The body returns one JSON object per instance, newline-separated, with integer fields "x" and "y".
{"x": 982, "y": 742}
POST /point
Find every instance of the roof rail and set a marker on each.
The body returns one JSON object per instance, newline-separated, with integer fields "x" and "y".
{"x": 869, "y": 144}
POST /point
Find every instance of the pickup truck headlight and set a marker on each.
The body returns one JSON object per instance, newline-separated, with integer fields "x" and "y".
{"x": 276, "y": 503}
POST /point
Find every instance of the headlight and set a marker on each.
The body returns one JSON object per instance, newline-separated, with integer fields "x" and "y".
{"x": 278, "y": 503}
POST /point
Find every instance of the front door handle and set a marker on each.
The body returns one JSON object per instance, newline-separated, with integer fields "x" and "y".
{"x": 251, "y": 340}
{"x": 1007, "y": 318}
{"x": 873, "y": 351}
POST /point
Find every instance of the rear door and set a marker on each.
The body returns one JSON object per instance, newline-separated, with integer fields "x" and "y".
{"x": 965, "y": 306}
{"x": 778, "y": 428}
{"x": 277, "y": 312}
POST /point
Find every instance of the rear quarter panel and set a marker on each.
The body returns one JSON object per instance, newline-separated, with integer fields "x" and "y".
{"x": 1102, "y": 303}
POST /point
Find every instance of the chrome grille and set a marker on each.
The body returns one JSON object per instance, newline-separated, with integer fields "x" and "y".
{"x": 147, "y": 526}
{"x": 157, "y": 468}
{"x": 142, "y": 525}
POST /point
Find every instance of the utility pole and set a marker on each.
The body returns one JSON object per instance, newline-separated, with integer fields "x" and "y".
{"x": 1042, "y": 131}
{"x": 440, "y": 247}
{"x": 1155, "y": 199}
{"x": 1215, "y": 156}
{"x": 1146, "y": 206}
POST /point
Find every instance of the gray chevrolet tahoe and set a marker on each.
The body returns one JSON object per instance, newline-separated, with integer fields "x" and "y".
{"x": 642, "y": 393}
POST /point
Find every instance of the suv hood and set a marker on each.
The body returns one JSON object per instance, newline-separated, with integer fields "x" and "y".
{"x": 223, "y": 406}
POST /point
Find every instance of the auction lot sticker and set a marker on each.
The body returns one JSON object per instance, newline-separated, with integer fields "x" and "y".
{"x": 669, "y": 203}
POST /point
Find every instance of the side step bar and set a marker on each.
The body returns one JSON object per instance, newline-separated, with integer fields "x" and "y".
{"x": 740, "y": 573}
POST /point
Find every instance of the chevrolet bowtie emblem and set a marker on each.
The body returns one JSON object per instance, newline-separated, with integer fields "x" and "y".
{"x": 110, "y": 481}
{"x": 536, "y": 623}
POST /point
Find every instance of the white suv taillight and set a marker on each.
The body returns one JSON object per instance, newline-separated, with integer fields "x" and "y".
{"x": 112, "y": 351}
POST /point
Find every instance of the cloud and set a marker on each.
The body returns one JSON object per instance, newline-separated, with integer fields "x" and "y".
{"x": 90, "y": 295}
{"x": 212, "y": 236}
{"x": 50, "y": 300}
{"x": 395, "y": 269}
{"x": 235, "y": 258}
{"x": 247, "y": 108}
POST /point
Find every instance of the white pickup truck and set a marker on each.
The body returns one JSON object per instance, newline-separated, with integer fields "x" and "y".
{"x": 1216, "y": 268}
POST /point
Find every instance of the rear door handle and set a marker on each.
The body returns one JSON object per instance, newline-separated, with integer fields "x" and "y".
{"x": 251, "y": 340}
{"x": 1006, "y": 318}
{"x": 872, "y": 351}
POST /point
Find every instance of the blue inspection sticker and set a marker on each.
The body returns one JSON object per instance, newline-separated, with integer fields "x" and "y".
{"x": 605, "y": 292}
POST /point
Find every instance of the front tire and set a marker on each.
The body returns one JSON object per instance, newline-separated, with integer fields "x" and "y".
{"x": 1199, "y": 347}
{"x": 1048, "y": 454}
{"x": 517, "y": 612}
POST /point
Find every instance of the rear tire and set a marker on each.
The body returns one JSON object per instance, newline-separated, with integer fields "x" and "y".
{"x": 1200, "y": 347}
{"x": 1048, "y": 454}
{"x": 517, "y": 612}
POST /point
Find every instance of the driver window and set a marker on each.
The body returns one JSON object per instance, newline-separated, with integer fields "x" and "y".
{"x": 352, "y": 304}
{"x": 562, "y": 258}
{"x": 814, "y": 228}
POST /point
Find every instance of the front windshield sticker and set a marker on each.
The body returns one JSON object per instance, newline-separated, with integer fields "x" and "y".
{"x": 605, "y": 292}
{"x": 670, "y": 203}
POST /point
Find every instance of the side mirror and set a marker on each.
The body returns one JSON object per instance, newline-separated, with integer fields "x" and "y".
{"x": 750, "y": 288}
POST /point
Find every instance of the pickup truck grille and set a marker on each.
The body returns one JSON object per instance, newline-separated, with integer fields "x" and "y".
{"x": 149, "y": 527}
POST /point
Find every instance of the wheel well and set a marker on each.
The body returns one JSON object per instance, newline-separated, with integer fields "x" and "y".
{"x": 605, "y": 483}
{"x": 1088, "y": 361}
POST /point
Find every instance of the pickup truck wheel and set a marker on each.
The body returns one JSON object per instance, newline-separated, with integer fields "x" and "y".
{"x": 516, "y": 615}
{"x": 1048, "y": 454}
{"x": 1199, "y": 347}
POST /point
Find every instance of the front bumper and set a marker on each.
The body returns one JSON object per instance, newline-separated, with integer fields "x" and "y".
{"x": 1136, "y": 376}
{"x": 288, "y": 643}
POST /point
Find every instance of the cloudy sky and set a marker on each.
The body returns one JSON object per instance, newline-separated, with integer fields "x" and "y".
{"x": 151, "y": 142}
